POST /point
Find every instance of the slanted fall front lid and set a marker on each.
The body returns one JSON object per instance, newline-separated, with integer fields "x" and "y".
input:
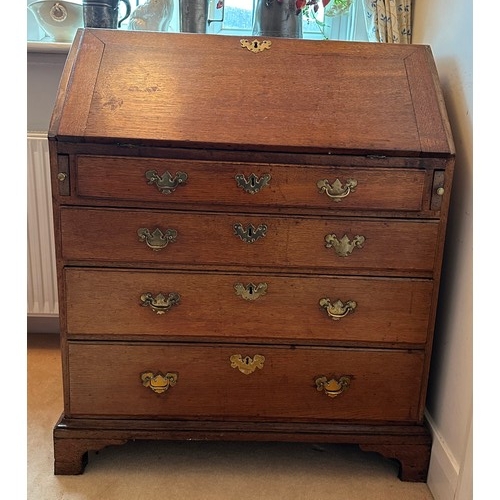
{"x": 211, "y": 91}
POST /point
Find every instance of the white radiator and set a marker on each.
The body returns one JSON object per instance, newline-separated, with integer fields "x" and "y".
{"x": 42, "y": 276}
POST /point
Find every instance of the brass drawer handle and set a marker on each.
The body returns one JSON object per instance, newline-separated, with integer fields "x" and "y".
{"x": 250, "y": 234}
{"x": 332, "y": 388}
{"x": 166, "y": 183}
{"x": 247, "y": 364}
{"x": 159, "y": 383}
{"x": 336, "y": 191}
{"x": 157, "y": 239}
{"x": 253, "y": 184}
{"x": 344, "y": 246}
{"x": 160, "y": 304}
{"x": 338, "y": 309}
{"x": 250, "y": 291}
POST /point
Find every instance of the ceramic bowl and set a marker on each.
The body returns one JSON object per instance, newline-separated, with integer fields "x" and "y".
{"x": 58, "y": 18}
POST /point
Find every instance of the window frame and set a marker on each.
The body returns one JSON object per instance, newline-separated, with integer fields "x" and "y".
{"x": 349, "y": 27}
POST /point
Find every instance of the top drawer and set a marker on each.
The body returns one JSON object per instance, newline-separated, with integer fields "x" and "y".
{"x": 180, "y": 182}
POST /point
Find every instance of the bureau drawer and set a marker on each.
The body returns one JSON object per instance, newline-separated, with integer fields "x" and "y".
{"x": 245, "y": 306}
{"x": 172, "y": 182}
{"x": 122, "y": 380}
{"x": 231, "y": 240}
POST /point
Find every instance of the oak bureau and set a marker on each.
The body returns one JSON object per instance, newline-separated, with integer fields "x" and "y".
{"x": 249, "y": 236}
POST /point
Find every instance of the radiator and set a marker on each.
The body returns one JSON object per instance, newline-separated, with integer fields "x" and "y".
{"x": 42, "y": 275}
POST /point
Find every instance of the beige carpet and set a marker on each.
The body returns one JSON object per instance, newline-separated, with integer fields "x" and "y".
{"x": 146, "y": 470}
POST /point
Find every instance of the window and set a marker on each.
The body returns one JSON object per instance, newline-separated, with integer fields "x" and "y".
{"x": 238, "y": 21}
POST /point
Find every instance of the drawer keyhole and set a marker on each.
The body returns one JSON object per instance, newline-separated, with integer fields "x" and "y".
{"x": 250, "y": 234}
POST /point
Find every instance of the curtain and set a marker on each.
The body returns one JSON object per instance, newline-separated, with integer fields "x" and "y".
{"x": 388, "y": 20}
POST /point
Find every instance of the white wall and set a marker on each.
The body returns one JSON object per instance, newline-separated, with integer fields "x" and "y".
{"x": 43, "y": 75}
{"x": 446, "y": 25}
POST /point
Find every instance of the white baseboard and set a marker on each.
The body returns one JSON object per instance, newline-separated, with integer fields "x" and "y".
{"x": 444, "y": 470}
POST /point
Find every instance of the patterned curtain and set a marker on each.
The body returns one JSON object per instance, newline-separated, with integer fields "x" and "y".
{"x": 388, "y": 20}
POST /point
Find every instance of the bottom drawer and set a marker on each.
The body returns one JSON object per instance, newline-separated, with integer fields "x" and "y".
{"x": 182, "y": 381}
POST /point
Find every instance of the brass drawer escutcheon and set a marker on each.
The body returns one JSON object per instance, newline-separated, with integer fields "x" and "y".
{"x": 344, "y": 246}
{"x": 159, "y": 383}
{"x": 166, "y": 184}
{"x": 253, "y": 184}
{"x": 160, "y": 304}
{"x": 256, "y": 46}
{"x": 332, "y": 388}
{"x": 251, "y": 291}
{"x": 157, "y": 239}
{"x": 247, "y": 364}
{"x": 338, "y": 309}
{"x": 250, "y": 233}
{"x": 337, "y": 191}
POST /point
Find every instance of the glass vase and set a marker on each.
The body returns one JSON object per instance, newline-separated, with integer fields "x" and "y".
{"x": 277, "y": 18}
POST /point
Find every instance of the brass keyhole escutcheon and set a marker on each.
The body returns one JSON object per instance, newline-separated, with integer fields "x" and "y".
{"x": 256, "y": 46}
{"x": 253, "y": 184}
{"x": 247, "y": 364}
{"x": 250, "y": 234}
{"x": 250, "y": 291}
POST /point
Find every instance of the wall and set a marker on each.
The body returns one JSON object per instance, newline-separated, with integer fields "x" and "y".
{"x": 43, "y": 75}
{"x": 446, "y": 25}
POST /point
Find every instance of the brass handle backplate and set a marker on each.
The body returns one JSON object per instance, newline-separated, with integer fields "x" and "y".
{"x": 157, "y": 239}
{"x": 158, "y": 383}
{"x": 250, "y": 291}
{"x": 253, "y": 184}
{"x": 247, "y": 364}
{"x": 337, "y": 309}
{"x": 166, "y": 183}
{"x": 344, "y": 246}
{"x": 337, "y": 191}
{"x": 332, "y": 388}
{"x": 160, "y": 304}
{"x": 250, "y": 233}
